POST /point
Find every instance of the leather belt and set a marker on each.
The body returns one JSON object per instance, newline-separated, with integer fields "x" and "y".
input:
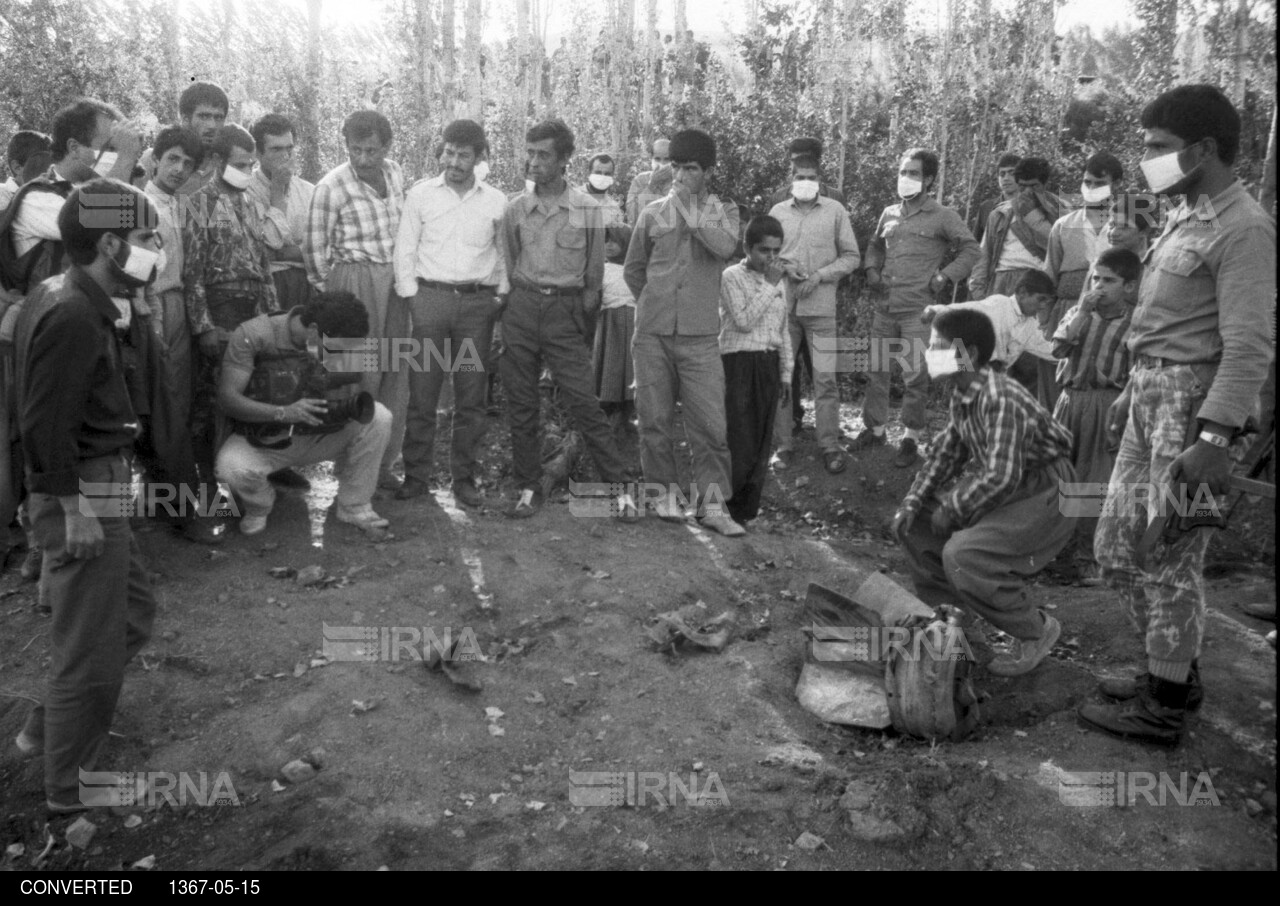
{"x": 552, "y": 290}
{"x": 462, "y": 289}
{"x": 1151, "y": 361}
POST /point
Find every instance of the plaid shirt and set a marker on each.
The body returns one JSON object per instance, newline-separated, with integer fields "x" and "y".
{"x": 753, "y": 316}
{"x": 349, "y": 223}
{"x": 998, "y": 424}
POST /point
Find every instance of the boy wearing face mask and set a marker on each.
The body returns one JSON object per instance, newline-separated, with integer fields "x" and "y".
{"x": 818, "y": 250}
{"x": 71, "y": 354}
{"x": 981, "y": 541}
{"x": 1094, "y": 367}
{"x": 1202, "y": 341}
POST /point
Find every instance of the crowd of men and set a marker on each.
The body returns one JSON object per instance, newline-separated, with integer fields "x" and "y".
{"x": 165, "y": 312}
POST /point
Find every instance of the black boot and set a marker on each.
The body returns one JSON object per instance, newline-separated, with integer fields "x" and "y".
{"x": 1123, "y": 689}
{"x": 1157, "y": 714}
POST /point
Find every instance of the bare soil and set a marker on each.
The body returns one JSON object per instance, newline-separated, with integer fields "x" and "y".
{"x": 559, "y": 604}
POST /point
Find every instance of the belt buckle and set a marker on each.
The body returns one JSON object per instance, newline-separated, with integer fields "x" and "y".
{"x": 547, "y": 290}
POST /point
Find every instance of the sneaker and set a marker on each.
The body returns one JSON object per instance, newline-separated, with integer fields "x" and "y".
{"x": 834, "y": 461}
{"x": 626, "y": 508}
{"x": 783, "y": 460}
{"x": 362, "y": 517}
{"x": 252, "y": 525}
{"x": 867, "y": 439}
{"x": 31, "y": 564}
{"x": 412, "y": 488}
{"x": 668, "y": 509}
{"x": 28, "y": 745}
{"x": 722, "y": 523}
{"x": 288, "y": 478}
{"x": 1026, "y": 654}
{"x": 908, "y": 453}
{"x": 528, "y": 505}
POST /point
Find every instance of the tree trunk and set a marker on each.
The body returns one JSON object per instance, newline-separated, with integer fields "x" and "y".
{"x": 1267, "y": 197}
{"x": 309, "y": 115}
{"x": 651, "y": 50}
{"x": 448, "y": 60}
{"x": 1242, "y": 51}
{"x": 524, "y": 74}
{"x": 474, "y": 89}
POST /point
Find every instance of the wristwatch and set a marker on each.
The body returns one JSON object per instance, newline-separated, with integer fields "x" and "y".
{"x": 1216, "y": 440}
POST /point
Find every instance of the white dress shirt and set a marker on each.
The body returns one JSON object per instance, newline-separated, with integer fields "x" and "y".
{"x": 450, "y": 238}
{"x": 1016, "y": 333}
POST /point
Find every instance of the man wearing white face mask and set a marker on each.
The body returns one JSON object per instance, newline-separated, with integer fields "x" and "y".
{"x": 977, "y": 536}
{"x": 905, "y": 260}
{"x": 226, "y": 272}
{"x": 70, "y": 352}
{"x": 1201, "y": 342}
{"x": 818, "y": 249}
{"x": 599, "y": 182}
{"x": 88, "y": 140}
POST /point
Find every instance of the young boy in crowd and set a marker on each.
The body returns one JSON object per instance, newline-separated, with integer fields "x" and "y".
{"x": 1018, "y": 320}
{"x": 980, "y": 542}
{"x": 614, "y": 373}
{"x": 755, "y": 346}
{"x": 1091, "y": 342}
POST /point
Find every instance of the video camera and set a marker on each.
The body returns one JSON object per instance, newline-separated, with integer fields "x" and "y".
{"x": 283, "y": 378}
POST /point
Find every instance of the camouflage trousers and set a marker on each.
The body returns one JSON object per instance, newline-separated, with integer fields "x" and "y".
{"x": 1165, "y": 604}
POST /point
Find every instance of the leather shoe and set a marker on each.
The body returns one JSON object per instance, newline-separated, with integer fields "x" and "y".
{"x": 1123, "y": 688}
{"x": 412, "y": 488}
{"x": 865, "y": 440}
{"x": 1158, "y": 714}
{"x": 908, "y": 453}
{"x": 466, "y": 493}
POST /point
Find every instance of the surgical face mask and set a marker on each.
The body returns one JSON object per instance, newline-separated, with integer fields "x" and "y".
{"x": 600, "y": 182}
{"x": 105, "y": 163}
{"x": 139, "y": 268}
{"x": 941, "y": 362}
{"x": 481, "y": 171}
{"x": 236, "y": 178}
{"x": 530, "y": 186}
{"x": 908, "y": 187}
{"x": 1094, "y": 194}
{"x": 804, "y": 189}
{"x": 1163, "y": 172}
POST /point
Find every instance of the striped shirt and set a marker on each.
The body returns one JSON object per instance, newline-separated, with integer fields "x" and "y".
{"x": 1000, "y": 426}
{"x": 349, "y": 223}
{"x": 1093, "y": 350}
{"x": 753, "y": 315}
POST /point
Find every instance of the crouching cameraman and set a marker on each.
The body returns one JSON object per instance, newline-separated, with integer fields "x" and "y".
{"x": 276, "y": 395}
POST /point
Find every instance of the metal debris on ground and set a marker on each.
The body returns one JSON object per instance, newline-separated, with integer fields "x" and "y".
{"x": 691, "y": 623}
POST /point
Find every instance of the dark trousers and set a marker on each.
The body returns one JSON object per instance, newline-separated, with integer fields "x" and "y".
{"x": 551, "y": 329}
{"x": 292, "y": 288}
{"x": 751, "y": 383}
{"x": 102, "y": 615}
{"x": 803, "y": 358}
{"x": 454, "y": 331}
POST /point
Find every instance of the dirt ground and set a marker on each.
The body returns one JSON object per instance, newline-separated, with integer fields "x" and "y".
{"x": 429, "y": 778}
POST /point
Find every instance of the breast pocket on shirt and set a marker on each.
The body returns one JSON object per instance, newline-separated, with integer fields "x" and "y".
{"x": 1173, "y": 270}
{"x": 571, "y": 244}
